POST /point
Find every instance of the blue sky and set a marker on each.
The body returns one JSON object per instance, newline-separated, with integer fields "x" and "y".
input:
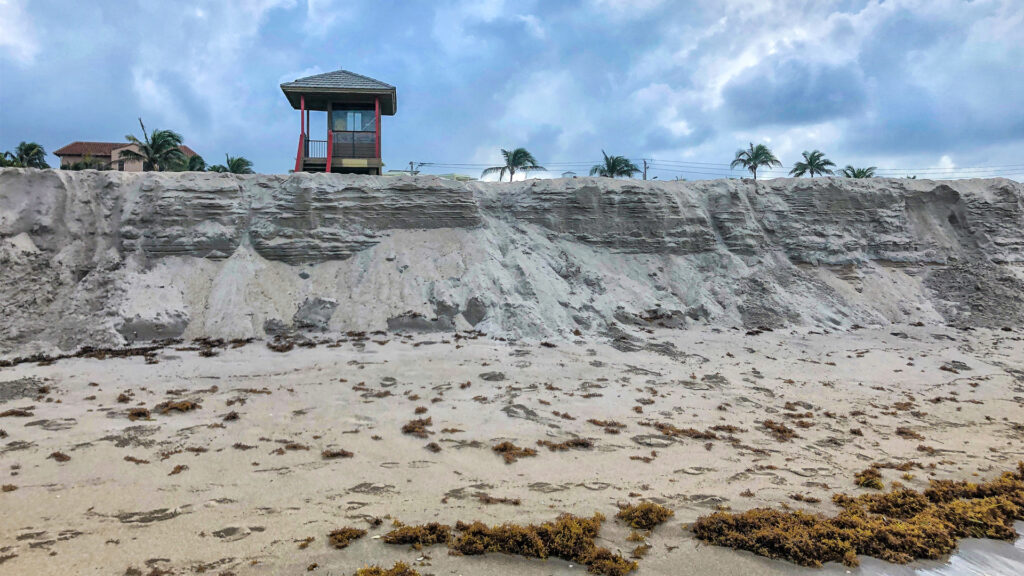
{"x": 935, "y": 87}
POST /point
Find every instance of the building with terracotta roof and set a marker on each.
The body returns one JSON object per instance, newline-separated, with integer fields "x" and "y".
{"x": 107, "y": 153}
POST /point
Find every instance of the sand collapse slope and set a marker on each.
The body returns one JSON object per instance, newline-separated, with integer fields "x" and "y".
{"x": 104, "y": 258}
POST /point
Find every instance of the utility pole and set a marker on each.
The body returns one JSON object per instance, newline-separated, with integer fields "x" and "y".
{"x": 645, "y": 168}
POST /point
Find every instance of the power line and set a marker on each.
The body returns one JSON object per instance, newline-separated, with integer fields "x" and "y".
{"x": 726, "y": 167}
{"x": 723, "y": 170}
{"x": 877, "y": 169}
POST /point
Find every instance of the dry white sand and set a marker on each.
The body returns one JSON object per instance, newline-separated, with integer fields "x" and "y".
{"x": 244, "y": 511}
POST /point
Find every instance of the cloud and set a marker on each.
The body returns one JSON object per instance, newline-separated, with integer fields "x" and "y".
{"x": 793, "y": 91}
{"x": 887, "y": 83}
{"x": 468, "y": 28}
{"x": 627, "y": 9}
{"x": 945, "y": 81}
{"x": 547, "y": 100}
{"x": 453, "y": 21}
{"x": 17, "y": 34}
{"x": 323, "y": 16}
{"x": 533, "y": 25}
{"x": 195, "y": 77}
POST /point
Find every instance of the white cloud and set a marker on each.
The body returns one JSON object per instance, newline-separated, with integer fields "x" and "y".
{"x": 206, "y": 51}
{"x": 17, "y": 34}
{"x": 156, "y": 96}
{"x": 627, "y": 9}
{"x": 945, "y": 162}
{"x": 453, "y": 19}
{"x": 533, "y": 25}
{"x": 323, "y": 16}
{"x": 546, "y": 99}
{"x": 665, "y": 106}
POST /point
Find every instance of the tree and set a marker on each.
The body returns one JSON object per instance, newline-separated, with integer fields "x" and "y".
{"x": 813, "y": 163}
{"x": 614, "y": 166}
{"x": 7, "y": 160}
{"x": 27, "y": 155}
{"x": 193, "y": 163}
{"x": 233, "y": 165}
{"x": 851, "y": 172}
{"x": 518, "y": 159}
{"x": 755, "y": 157}
{"x": 159, "y": 151}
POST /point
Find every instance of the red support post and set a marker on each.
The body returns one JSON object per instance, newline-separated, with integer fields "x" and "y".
{"x": 377, "y": 107}
{"x": 299, "y": 154}
{"x": 302, "y": 134}
{"x": 330, "y": 148}
{"x": 330, "y": 136}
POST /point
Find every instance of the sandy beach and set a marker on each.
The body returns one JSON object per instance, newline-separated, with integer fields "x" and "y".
{"x": 237, "y": 484}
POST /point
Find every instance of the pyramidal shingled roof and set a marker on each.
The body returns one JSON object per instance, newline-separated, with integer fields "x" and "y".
{"x": 339, "y": 79}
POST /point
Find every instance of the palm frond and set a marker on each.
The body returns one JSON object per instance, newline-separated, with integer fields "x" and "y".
{"x": 131, "y": 155}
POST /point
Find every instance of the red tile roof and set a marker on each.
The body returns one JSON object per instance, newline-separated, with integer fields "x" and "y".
{"x": 90, "y": 148}
{"x": 96, "y": 149}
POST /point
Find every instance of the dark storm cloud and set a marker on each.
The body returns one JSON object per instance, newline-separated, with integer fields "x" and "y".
{"x": 793, "y": 91}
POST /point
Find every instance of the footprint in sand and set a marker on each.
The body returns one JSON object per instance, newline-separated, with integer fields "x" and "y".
{"x": 232, "y": 533}
{"x": 694, "y": 470}
{"x": 546, "y": 488}
{"x": 372, "y": 488}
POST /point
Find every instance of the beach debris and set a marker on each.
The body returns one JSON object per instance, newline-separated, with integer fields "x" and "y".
{"x": 342, "y": 537}
{"x": 418, "y": 427}
{"x": 779, "y": 431}
{"x": 578, "y": 443}
{"x": 419, "y": 536}
{"x": 176, "y": 406}
{"x": 511, "y": 452}
{"x": 899, "y": 526}
{"x": 399, "y": 569}
{"x": 869, "y": 478}
{"x": 644, "y": 516}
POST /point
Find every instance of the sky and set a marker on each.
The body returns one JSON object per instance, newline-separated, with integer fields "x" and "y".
{"x": 925, "y": 87}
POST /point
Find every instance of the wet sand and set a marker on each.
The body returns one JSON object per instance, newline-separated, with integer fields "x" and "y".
{"x": 203, "y": 494}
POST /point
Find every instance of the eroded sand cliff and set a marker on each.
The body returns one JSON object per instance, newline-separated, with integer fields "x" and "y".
{"x": 104, "y": 258}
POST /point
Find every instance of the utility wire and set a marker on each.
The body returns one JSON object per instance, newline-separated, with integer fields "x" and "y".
{"x": 723, "y": 170}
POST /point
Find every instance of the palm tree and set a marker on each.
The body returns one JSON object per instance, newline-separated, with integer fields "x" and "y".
{"x": 7, "y": 160}
{"x": 814, "y": 163}
{"x": 233, "y": 165}
{"x": 755, "y": 157}
{"x": 27, "y": 155}
{"x": 160, "y": 150}
{"x": 851, "y": 172}
{"x": 518, "y": 159}
{"x": 193, "y": 163}
{"x": 614, "y": 166}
